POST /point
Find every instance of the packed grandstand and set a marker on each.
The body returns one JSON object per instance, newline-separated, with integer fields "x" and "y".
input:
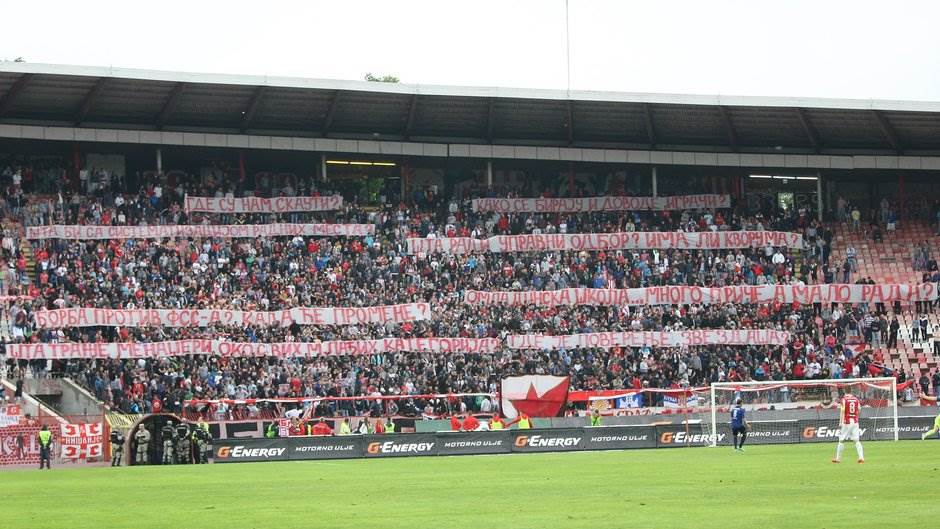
{"x": 275, "y": 273}
{"x": 214, "y": 294}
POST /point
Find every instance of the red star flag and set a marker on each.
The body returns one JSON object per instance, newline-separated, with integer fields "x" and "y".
{"x": 534, "y": 395}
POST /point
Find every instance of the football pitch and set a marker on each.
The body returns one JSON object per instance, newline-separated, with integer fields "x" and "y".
{"x": 768, "y": 486}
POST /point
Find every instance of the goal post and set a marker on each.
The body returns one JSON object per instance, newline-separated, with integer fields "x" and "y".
{"x": 790, "y": 411}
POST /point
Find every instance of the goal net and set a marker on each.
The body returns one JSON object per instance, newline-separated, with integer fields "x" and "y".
{"x": 800, "y": 411}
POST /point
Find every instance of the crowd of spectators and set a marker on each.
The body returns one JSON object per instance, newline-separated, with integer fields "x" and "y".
{"x": 283, "y": 272}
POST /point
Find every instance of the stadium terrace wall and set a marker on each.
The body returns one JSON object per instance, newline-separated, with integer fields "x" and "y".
{"x": 546, "y": 440}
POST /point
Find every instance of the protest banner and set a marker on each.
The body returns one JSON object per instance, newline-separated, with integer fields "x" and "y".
{"x": 90, "y": 317}
{"x": 606, "y": 241}
{"x": 78, "y": 232}
{"x": 62, "y": 351}
{"x": 606, "y": 203}
{"x": 681, "y": 295}
{"x": 262, "y": 205}
{"x": 607, "y": 340}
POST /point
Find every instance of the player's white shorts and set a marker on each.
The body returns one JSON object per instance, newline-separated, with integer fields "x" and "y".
{"x": 849, "y": 432}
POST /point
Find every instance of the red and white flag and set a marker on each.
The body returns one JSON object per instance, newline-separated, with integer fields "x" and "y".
{"x": 534, "y": 395}
{"x": 82, "y": 441}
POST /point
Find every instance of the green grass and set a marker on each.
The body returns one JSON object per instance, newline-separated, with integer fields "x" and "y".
{"x": 767, "y": 487}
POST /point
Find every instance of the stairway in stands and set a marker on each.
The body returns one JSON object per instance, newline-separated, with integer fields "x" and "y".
{"x": 27, "y": 250}
{"x": 890, "y": 261}
{"x": 24, "y": 246}
{"x": 5, "y": 323}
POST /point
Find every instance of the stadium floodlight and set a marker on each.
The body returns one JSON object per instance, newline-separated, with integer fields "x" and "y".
{"x": 790, "y": 411}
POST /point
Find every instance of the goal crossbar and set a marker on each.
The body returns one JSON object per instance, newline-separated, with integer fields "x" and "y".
{"x": 883, "y": 383}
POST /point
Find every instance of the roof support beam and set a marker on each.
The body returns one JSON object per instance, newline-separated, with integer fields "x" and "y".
{"x": 88, "y": 101}
{"x": 249, "y": 113}
{"x": 410, "y": 120}
{"x": 809, "y": 129}
{"x": 729, "y": 128}
{"x": 650, "y": 128}
{"x": 14, "y": 90}
{"x": 330, "y": 112}
{"x": 489, "y": 119}
{"x": 168, "y": 106}
{"x": 888, "y": 130}
{"x": 570, "y": 123}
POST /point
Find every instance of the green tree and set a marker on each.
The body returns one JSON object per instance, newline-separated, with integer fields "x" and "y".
{"x": 382, "y": 79}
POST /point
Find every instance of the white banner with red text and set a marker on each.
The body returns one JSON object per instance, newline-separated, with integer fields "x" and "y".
{"x": 635, "y": 240}
{"x": 262, "y": 205}
{"x": 10, "y": 414}
{"x": 608, "y": 203}
{"x": 244, "y": 231}
{"x": 12, "y": 299}
{"x": 88, "y": 317}
{"x": 606, "y": 340}
{"x": 82, "y": 441}
{"x": 682, "y": 295}
{"x": 62, "y": 351}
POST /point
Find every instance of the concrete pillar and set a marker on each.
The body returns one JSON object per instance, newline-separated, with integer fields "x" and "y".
{"x": 571, "y": 192}
{"x": 404, "y": 171}
{"x": 159, "y": 160}
{"x": 489, "y": 174}
{"x": 654, "y": 181}
{"x": 323, "y": 167}
{"x": 900, "y": 194}
{"x": 819, "y": 196}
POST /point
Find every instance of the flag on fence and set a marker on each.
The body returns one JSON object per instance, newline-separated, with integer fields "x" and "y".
{"x": 9, "y": 415}
{"x": 82, "y": 441}
{"x": 536, "y": 395}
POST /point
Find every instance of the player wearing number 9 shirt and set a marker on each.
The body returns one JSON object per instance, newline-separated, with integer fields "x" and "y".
{"x": 850, "y": 409}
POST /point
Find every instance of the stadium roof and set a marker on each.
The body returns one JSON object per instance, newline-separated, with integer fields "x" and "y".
{"x": 157, "y": 100}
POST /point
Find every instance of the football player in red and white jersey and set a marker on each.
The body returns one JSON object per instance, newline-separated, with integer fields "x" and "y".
{"x": 850, "y": 410}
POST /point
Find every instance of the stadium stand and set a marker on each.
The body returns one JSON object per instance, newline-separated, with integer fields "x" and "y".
{"x": 279, "y": 273}
{"x": 271, "y": 273}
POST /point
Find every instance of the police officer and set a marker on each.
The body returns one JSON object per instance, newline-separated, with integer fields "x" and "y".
{"x": 207, "y": 444}
{"x": 183, "y": 452}
{"x": 45, "y": 447}
{"x": 142, "y": 436}
{"x": 168, "y": 434}
{"x": 117, "y": 447}
{"x": 201, "y": 438}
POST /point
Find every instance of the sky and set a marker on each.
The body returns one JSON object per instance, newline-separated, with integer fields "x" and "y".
{"x": 801, "y": 48}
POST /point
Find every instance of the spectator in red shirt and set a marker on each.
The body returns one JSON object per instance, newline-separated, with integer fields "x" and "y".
{"x": 298, "y": 428}
{"x": 321, "y": 428}
{"x": 470, "y": 424}
{"x": 798, "y": 370}
{"x": 137, "y": 390}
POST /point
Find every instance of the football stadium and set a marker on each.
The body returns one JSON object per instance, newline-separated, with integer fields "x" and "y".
{"x": 258, "y": 301}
